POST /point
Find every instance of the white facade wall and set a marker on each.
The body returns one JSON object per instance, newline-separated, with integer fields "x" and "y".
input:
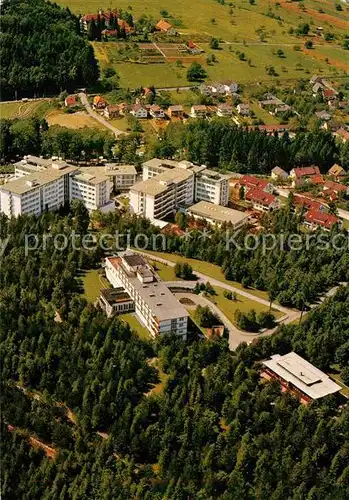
{"x": 118, "y": 278}
{"x": 210, "y": 190}
{"x": 92, "y": 195}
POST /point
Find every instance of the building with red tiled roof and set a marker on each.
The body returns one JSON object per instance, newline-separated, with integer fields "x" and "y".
{"x": 302, "y": 201}
{"x": 304, "y": 175}
{"x": 251, "y": 182}
{"x": 342, "y": 134}
{"x": 329, "y": 94}
{"x": 315, "y": 218}
{"x": 262, "y": 201}
{"x": 165, "y": 27}
{"x": 99, "y": 102}
{"x": 331, "y": 188}
{"x": 70, "y": 100}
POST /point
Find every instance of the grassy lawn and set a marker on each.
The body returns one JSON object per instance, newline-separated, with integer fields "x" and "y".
{"x": 165, "y": 272}
{"x": 229, "y": 307}
{"x": 23, "y": 109}
{"x": 136, "y": 326}
{"x": 159, "y": 387}
{"x": 335, "y": 375}
{"x": 92, "y": 283}
{"x": 210, "y": 270}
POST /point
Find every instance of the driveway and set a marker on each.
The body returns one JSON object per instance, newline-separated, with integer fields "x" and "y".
{"x": 98, "y": 117}
{"x": 237, "y": 336}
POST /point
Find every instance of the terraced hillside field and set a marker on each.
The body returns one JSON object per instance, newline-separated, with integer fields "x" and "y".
{"x": 257, "y": 30}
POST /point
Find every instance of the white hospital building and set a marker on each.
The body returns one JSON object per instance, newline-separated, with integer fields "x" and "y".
{"x": 168, "y": 185}
{"x": 154, "y": 304}
{"x": 43, "y": 185}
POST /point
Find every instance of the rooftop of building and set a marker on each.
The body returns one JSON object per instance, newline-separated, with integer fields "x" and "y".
{"x": 158, "y": 184}
{"x": 212, "y": 175}
{"x": 220, "y": 214}
{"x": 115, "y": 295}
{"x": 156, "y": 294}
{"x": 109, "y": 169}
{"x": 89, "y": 178}
{"x": 33, "y": 181}
{"x": 35, "y": 160}
{"x": 302, "y": 375}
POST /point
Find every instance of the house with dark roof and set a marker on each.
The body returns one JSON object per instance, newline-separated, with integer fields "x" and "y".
{"x": 303, "y": 175}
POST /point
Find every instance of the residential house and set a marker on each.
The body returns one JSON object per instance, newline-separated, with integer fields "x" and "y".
{"x": 124, "y": 108}
{"x": 261, "y": 200}
{"x": 205, "y": 89}
{"x": 224, "y": 110}
{"x": 198, "y": 111}
{"x": 323, "y": 115}
{"x": 329, "y": 94}
{"x": 335, "y": 187}
{"x": 175, "y": 111}
{"x": 147, "y": 92}
{"x": 317, "y": 218}
{"x": 111, "y": 111}
{"x": 316, "y": 88}
{"x": 282, "y": 108}
{"x": 156, "y": 112}
{"x": 125, "y": 27}
{"x": 249, "y": 182}
{"x": 342, "y": 134}
{"x": 230, "y": 86}
{"x": 270, "y": 103}
{"x": 218, "y": 88}
{"x": 303, "y": 175}
{"x": 107, "y": 17}
{"x": 279, "y": 174}
{"x": 302, "y": 202}
{"x": 99, "y": 102}
{"x": 193, "y": 48}
{"x": 139, "y": 111}
{"x": 336, "y": 171}
{"x": 243, "y": 109}
{"x": 315, "y": 79}
{"x": 70, "y": 100}
{"x": 165, "y": 27}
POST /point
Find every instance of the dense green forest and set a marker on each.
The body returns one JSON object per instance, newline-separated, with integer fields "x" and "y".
{"x": 34, "y": 136}
{"x": 216, "y": 431}
{"x": 220, "y": 143}
{"x": 217, "y": 143}
{"x": 42, "y": 51}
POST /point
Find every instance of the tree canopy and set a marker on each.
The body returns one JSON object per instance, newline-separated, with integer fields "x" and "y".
{"x": 42, "y": 51}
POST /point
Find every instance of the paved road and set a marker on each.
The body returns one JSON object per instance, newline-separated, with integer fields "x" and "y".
{"x": 237, "y": 336}
{"x": 344, "y": 214}
{"x": 98, "y": 117}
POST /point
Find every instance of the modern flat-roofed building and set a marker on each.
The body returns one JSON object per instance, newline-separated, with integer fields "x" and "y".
{"x": 212, "y": 186}
{"x": 92, "y": 190}
{"x": 191, "y": 182}
{"x": 45, "y": 185}
{"x": 155, "y": 305}
{"x": 217, "y": 214}
{"x": 36, "y": 192}
{"x": 158, "y": 197}
{"x": 298, "y": 376}
{"x": 123, "y": 176}
{"x": 115, "y": 301}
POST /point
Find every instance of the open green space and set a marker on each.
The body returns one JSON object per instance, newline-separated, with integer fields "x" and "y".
{"x": 135, "y": 325}
{"x": 165, "y": 272}
{"x": 20, "y": 109}
{"x": 92, "y": 283}
{"x": 244, "y": 305}
{"x": 209, "y": 269}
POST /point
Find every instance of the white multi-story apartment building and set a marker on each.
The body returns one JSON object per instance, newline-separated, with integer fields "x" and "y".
{"x": 93, "y": 191}
{"x": 36, "y": 192}
{"x": 212, "y": 186}
{"x": 123, "y": 176}
{"x": 159, "y": 196}
{"x": 155, "y": 305}
{"x": 48, "y": 186}
{"x": 168, "y": 185}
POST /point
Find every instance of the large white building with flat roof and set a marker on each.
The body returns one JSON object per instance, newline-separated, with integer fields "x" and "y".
{"x": 217, "y": 214}
{"x": 168, "y": 185}
{"x": 299, "y": 376}
{"x": 44, "y": 185}
{"x": 154, "y": 304}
